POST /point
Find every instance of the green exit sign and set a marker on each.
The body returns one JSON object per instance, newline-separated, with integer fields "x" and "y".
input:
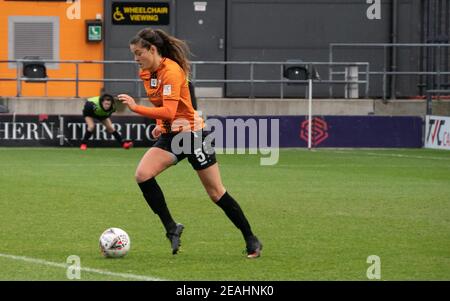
{"x": 94, "y": 30}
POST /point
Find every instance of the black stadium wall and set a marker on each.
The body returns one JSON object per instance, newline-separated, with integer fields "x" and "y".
{"x": 68, "y": 130}
{"x": 270, "y": 30}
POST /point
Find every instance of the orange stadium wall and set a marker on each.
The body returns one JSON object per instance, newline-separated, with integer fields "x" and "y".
{"x": 73, "y": 45}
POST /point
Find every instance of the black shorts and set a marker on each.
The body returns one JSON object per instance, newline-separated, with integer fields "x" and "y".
{"x": 194, "y": 145}
{"x": 89, "y": 111}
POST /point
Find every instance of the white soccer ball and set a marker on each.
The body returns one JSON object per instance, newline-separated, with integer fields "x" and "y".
{"x": 114, "y": 242}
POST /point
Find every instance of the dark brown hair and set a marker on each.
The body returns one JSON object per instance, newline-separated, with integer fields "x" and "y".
{"x": 167, "y": 45}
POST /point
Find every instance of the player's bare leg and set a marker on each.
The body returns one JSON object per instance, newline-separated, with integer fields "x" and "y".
{"x": 211, "y": 180}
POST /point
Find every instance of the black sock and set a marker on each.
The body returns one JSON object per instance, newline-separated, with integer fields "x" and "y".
{"x": 155, "y": 199}
{"x": 117, "y": 136}
{"x": 235, "y": 214}
{"x": 86, "y": 137}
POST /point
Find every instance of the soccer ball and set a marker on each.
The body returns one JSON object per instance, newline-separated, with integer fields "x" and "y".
{"x": 114, "y": 243}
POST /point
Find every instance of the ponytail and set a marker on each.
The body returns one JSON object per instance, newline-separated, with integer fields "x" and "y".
{"x": 167, "y": 45}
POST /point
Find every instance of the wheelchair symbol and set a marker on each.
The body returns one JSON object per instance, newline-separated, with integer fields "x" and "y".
{"x": 118, "y": 16}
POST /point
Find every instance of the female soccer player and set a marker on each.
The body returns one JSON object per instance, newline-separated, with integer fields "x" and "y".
{"x": 101, "y": 108}
{"x": 164, "y": 70}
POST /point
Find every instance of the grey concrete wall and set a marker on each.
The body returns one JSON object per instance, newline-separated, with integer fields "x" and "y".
{"x": 43, "y": 105}
{"x": 408, "y": 107}
{"x": 217, "y": 106}
{"x": 36, "y": 105}
{"x": 245, "y": 106}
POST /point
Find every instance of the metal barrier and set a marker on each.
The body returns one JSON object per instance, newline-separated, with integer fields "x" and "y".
{"x": 282, "y": 80}
{"x": 384, "y": 73}
{"x": 19, "y": 78}
{"x": 194, "y": 67}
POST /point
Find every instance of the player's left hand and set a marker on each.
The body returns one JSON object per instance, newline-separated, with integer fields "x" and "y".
{"x": 128, "y": 100}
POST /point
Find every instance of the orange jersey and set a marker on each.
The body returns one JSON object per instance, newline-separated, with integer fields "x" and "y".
{"x": 167, "y": 89}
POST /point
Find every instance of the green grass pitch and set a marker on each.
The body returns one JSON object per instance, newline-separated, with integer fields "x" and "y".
{"x": 320, "y": 214}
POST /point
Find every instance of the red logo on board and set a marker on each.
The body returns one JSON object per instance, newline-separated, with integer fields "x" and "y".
{"x": 319, "y": 129}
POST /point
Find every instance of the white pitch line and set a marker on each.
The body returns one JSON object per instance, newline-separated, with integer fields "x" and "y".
{"x": 390, "y": 155}
{"x": 67, "y": 164}
{"x": 89, "y": 270}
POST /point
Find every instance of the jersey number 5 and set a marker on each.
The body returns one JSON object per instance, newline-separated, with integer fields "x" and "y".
{"x": 200, "y": 155}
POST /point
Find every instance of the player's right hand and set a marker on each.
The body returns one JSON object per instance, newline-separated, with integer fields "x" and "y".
{"x": 128, "y": 100}
{"x": 156, "y": 132}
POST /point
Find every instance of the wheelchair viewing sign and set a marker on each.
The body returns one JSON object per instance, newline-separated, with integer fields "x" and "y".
{"x": 140, "y": 13}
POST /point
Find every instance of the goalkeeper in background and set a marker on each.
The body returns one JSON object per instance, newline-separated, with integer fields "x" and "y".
{"x": 101, "y": 108}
